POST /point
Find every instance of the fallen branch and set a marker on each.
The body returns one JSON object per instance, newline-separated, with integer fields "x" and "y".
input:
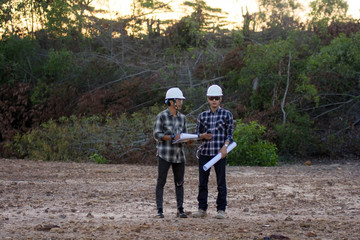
{"x": 118, "y": 80}
{"x": 328, "y": 105}
{"x": 333, "y": 109}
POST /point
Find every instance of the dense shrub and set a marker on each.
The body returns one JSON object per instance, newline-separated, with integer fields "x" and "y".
{"x": 97, "y": 158}
{"x": 20, "y": 59}
{"x": 296, "y": 136}
{"x": 96, "y": 138}
{"x": 251, "y": 149}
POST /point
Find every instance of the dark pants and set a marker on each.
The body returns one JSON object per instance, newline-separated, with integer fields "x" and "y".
{"x": 220, "y": 168}
{"x": 178, "y": 171}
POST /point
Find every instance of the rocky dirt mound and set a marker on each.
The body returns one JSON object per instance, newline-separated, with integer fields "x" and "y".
{"x": 52, "y": 200}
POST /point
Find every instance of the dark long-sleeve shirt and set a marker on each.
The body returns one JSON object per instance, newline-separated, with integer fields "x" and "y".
{"x": 167, "y": 124}
{"x": 220, "y": 124}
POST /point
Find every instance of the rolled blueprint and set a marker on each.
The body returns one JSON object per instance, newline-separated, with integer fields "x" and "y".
{"x": 184, "y": 137}
{"x": 214, "y": 160}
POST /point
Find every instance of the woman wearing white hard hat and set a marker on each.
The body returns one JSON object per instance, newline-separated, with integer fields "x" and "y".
{"x": 215, "y": 127}
{"x": 169, "y": 124}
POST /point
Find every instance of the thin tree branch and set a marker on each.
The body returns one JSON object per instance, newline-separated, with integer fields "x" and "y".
{"x": 328, "y": 105}
{"x": 356, "y": 122}
{"x": 286, "y": 90}
{"x": 153, "y": 11}
{"x": 211, "y": 80}
{"x": 130, "y": 150}
{"x": 333, "y": 109}
{"x": 118, "y": 80}
{"x": 198, "y": 59}
{"x": 199, "y": 108}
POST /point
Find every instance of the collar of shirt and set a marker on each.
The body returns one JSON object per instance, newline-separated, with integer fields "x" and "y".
{"x": 216, "y": 111}
{"x": 169, "y": 113}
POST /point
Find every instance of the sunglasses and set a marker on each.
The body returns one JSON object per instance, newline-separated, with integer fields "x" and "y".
{"x": 214, "y": 98}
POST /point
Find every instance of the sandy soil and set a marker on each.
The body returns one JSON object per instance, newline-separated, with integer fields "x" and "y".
{"x": 52, "y": 200}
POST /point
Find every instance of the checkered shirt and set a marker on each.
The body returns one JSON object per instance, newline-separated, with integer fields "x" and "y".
{"x": 221, "y": 125}
{"x": 167, "y": 124}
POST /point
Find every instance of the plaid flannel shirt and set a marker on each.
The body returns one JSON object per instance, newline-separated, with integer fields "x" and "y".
{"x": 167, "y": 124}
{"x": 221, "y": 125}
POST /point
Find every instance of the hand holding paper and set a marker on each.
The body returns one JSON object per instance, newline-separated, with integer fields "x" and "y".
{"x": 214, "y": 160}
{"x": 184, "y": 137}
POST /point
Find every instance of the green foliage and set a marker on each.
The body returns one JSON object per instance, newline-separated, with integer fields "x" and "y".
{"x": 75, "y": 139}
{"x": 332, "y": 145}
{"x": 238, "y": 39}
{"x": 58, "y": 19}
{"x": 3, "y": 70}
{"x": 56, "y": 70}
{"x": 308, "y": 90}
{"x": 296, "y": 137}
{"x": 50, "y": 143}
{"x": 58, "y": 65}
{"x": 278, "y": 18}
{"x": 15, "y": 14}
{"x": 265, "y": 64}
{"x": 336, "y": 67}
{"x": 152, "y": 5}
{"x": 324, "y": 11}
{"x": 19, "y": 59}
{"x": 186, "y": 33}
{"x": 204, "y": 15}
{"x": 41, "y": 92}
{"x": 97, "y": 158}
{"x": 141, "y": 9}
{"x": 191, "y": 29}
{"x": 252, "y": 149}
{"x": 65, "y": 18}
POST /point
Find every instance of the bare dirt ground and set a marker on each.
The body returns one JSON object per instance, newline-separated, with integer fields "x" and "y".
{"x": 53, "y": 200}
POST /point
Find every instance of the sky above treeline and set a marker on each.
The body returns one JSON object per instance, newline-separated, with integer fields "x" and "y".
{"x": 234, "y": 8}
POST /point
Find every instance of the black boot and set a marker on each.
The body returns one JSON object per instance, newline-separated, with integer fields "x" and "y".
{"x": 181, "y": 213}
{"x": 160, "y": 213}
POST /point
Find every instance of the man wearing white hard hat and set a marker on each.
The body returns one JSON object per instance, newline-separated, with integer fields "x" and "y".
{"x": 169, "y": 124}
{"x": 215, "y": 127}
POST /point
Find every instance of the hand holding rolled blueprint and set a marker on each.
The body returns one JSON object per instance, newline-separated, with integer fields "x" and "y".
{"x": 214, "y": 160}
{"x": 184, "y": 137}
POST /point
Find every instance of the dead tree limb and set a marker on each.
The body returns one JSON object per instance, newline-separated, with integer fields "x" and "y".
{"x": 118, "y": 80}
{"x": 333, "y": 109}
{"x": 286, "y": 90}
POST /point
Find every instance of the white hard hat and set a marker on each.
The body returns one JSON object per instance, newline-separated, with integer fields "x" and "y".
{"x": 214, "y": 90}
{"x": 173, "y": 93}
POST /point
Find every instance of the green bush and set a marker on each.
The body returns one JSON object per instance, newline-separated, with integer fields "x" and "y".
{"x": 50, "y": 142}
{"x": 332, "y": 145}
{"x": 296, "y": 136}
{"x": 59, "y": 65}
{"x": 96, "y": 138}
{"x": 97, "y": 158}
{"x": 251, "y": 149}
{"x": 19, "y": 59}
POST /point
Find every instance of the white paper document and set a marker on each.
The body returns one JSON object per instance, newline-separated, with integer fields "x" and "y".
{"x": 184, "y": 137}
{"x": 214, "y": 160}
